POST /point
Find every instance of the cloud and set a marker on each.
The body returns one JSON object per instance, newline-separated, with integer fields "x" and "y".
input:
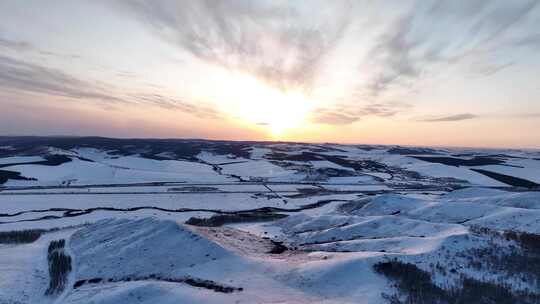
{"x": 347, "y": 114}
{"x": 27, "y": 47}
{"x": 16, "y": 74}
{"x": 531, "y": 41}
{"x": 18, "y": 46}
{"x": 456, "y": 117}
{"x": 489, "y": 70}
{"x": 30, "y": 77}
{"x": 281, "y": 45}
{"x": 468, "y": 116}
{"x": 333, "y": 117}
{"x": 444, "y": 33}
{"x": 289, "y": 45}
{"x": 172, "y": 103}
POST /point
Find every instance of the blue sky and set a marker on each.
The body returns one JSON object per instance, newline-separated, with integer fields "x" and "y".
{"x": 461, "y": 73}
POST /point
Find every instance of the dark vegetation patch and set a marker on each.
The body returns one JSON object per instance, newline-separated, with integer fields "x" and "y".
{"x": 368, "y": 165}
{"x": 277, "y": 247}
{"x": 70, "y": 212}
{"x": 268, "y": 196}
{"x": 333, "y": 172}
{"x": 491, "y": 155}
{"x": 510, "y": 259}
{"x": 20, "y": 236}
{"x": 311, "y": 192}
{"x": 302, "y": 157}
{"x": 186, "y": 149}
{"x": 352, "y": 206}
{"x": 370, "y": 147}
{"x": 6, "y": 175}
{"x": 194, "y": 189}
{"x": 463, "y": 155}
{"x": 322, "y": 174}
{"x": 195, "y": 282}
{"x": 324, "y": 148}
{"x": 413, "y": 151}
{"x": 308, "y": 192}
{"x": 59, "y": 267}
{"x": 520, "y": 259}
{"x": 456, "y": 162}
{"x": 415, "y": 286}
{"x": 508, "y": 156}
{"x": 343, "y": 161}
{"x": 50, "y": 160}
{"x": 507, "y": 179}
{"x": 241, "y": 217}
{"x": 412, "y": 283}
{"x": 528, "y": 241}
{"x": 144, "y": 184}
{"x": 30, "y": 235}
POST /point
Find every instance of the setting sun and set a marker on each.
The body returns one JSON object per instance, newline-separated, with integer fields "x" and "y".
{"x": 258, "y": 105}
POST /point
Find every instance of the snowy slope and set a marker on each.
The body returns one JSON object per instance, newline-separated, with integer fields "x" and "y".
{"x": 124, "y": 208}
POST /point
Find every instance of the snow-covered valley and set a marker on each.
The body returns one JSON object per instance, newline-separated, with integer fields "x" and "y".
{"x": 97, "y": 220}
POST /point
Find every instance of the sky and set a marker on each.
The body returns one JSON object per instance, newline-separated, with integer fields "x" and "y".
{"x": 432, "y": 73}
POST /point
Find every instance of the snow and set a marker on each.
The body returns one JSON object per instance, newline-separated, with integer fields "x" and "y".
{"x": 529, "y": 169}
{"x": 24, "y": 272}
{"x": 327, "y": 164}
{"x": 260, "y": 169}
{"x": 20, "y": 159}
{"x": 123, "y": 248}
{"x": 212, "y": 158}
{"x": 121, "y": 170}
{"x": 464, "y": 173}
{"x": 360, "y": 220}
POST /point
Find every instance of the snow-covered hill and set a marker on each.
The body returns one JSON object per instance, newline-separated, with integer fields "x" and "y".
{"x": 192, "y": 221}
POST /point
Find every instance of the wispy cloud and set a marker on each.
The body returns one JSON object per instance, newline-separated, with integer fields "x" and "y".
{"x": 18, "y": 46}
{"x": 530, "y": 41}
{"x": 450, "y": 118}
{"x": 417, "y": 42}
{"x": 288, "y": 45}
{"x": 275, "y": 43}
{"x": 347, "y": 114}
{"x": 172, "y": 103}
{"x": 494, "y": 68}
{"x": 31, "y": 77}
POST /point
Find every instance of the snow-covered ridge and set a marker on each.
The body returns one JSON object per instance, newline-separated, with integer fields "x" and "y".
{"x": 276, "y": 223}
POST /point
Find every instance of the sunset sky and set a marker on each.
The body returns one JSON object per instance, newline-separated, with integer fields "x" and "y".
{"x": 451, "y": 73}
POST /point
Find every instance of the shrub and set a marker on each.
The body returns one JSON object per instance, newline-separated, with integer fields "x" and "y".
{"x": 20, "y": 237}
{"x": 415, "y": 286}
{"x": 59, "y": 267}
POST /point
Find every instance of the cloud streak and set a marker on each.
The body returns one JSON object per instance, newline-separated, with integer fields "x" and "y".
{"x": 417, "y": 42}
{"x": 340, "y": 54}
{"x": 344, "y": 115}
{"x": 30, "y": 77}
{"x": 451, "y": 118}
{"x": 289, "y": 45}
{"x": 18, "y": 46}
{"x": 278, "y": 44}
{"x": 172, "y": 103}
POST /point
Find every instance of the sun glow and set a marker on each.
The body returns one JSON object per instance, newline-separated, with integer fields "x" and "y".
{"x": 262, "y": 106}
